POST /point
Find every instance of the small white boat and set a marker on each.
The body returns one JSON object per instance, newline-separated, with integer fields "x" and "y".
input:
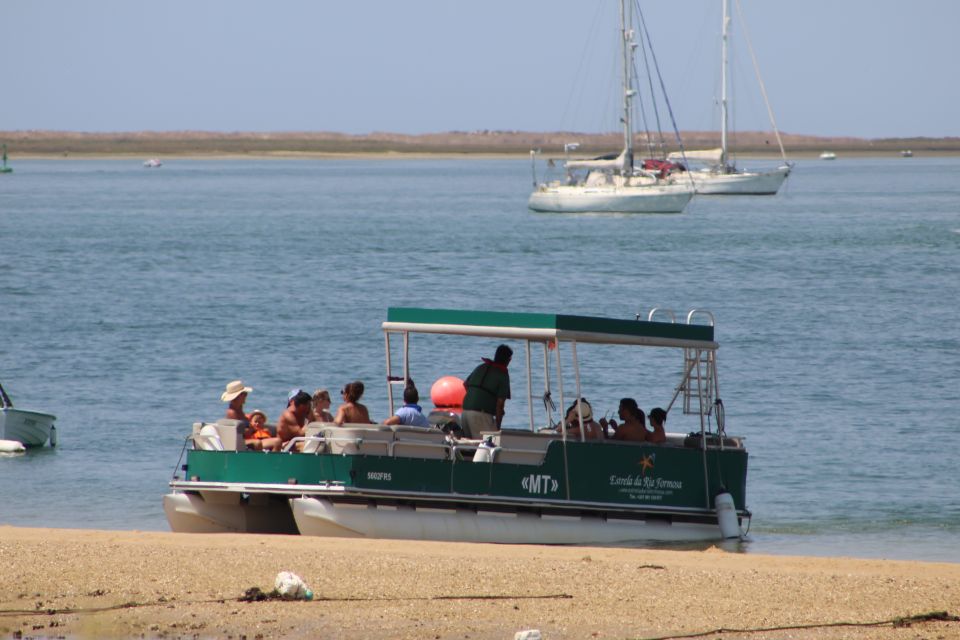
{"x": 906, "y": 153}
{"x": 828, "y": 155}
{"x": 153, "y": 163}
{"x": 30, "y": 428}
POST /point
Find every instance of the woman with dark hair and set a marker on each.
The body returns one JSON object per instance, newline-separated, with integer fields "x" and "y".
{"x": 634, "y": 426}
{"x": 657, "y": 419}
{"x": 351, "y": 411}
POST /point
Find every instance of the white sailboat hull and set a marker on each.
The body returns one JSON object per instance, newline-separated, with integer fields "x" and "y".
{"x": 740, "y": 183}
{"x": 32, "y": 428}
{"x": 670, "y": 198}
{"x": 321, "y": 517}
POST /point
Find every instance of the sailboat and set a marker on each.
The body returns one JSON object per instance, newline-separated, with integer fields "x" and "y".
{"x": 613, "y": 184}
{"x": 721, "y": 176}
{"x": 5, "y": 168}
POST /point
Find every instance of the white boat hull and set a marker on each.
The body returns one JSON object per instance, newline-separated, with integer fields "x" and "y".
{"x": 322, "y": 517}
{"x": 32, "y": 428}
{"x": 214, "y": 512}
{"x": 743, "y": 183}
{"x": 670, "y": 198}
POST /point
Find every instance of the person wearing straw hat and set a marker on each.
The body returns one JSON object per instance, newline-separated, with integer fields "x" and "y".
{"x": 591, "y": 429}
{"x": 236, "y": 394}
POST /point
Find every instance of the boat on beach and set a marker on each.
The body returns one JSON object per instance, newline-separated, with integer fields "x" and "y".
{"x": 530, "y": 482}
{"x": 28, "y": 428}
{"x": 719, "y": 174}
{"x": 612, "y": 184}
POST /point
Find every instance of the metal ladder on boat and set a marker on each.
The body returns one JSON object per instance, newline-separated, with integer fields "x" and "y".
{"x": 698, "y": 385}
{"x": 699, "y": 381}
{"x": 394, "y": 380}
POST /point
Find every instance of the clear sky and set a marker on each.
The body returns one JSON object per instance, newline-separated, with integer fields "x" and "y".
{"x": 868, "y": 68}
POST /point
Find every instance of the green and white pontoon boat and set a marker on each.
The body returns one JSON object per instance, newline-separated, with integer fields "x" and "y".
{"x": 529, "y": 484}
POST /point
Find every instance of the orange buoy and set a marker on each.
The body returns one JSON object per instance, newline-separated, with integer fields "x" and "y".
{"x": 448, "y": 393}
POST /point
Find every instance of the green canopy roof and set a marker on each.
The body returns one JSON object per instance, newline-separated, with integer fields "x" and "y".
{"x": 547, "y": 326}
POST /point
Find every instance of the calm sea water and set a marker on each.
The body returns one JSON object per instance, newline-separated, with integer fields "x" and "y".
{"x": 131, "y": 296}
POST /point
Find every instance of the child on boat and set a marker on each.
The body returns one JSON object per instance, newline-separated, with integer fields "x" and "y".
{"x": 258, "y": 436}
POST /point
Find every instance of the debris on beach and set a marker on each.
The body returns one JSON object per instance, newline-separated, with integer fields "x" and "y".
{"x": 287, "y": 586}
{"x": 292, "y": 587}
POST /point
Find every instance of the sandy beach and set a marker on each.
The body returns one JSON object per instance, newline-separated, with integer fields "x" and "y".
{"x": 121, "y": 584}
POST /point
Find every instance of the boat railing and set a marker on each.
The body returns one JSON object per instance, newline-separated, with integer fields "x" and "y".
{"x": 661, "y": 311}
{"x": 309, "y": 444}
{"x": 693, "y": 313}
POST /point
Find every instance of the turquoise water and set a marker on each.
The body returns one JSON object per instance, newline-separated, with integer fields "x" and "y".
{"x": 131, "y": 296}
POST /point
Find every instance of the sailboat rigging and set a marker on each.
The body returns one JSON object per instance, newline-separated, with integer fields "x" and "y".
{"x": 721, "y": 176}
{"x": 612, "y": 183}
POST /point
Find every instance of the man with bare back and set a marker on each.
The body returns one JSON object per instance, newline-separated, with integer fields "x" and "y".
{"x": 290, "y": 424}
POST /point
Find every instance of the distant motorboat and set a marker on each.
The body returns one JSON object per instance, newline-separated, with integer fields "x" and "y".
{"x": 828, "y": 155}
{"x": 153, "y": 163}
{"x": 30, "y": 428}
{"x": 906, "y": 153}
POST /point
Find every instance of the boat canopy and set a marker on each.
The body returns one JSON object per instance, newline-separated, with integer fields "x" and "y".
{"x": 547, "y": 327}
{"x": 713, "y": 156}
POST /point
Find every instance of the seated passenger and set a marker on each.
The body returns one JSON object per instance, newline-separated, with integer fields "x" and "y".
{"x": 319, "y": 409}
{"x": 257, "y": 436}
{"x": 658, "y": 417}
{"x": 634, "y": 427}
{"x": 351, "y": 411}
{"x": 290, "y": 424}
{"x": 591, "y": 429}
{"x": 236, "y": 394}
{"x": 410, "y": 413}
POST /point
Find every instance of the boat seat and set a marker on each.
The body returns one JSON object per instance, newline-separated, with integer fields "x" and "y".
{"x": 692, "y": 441}
{"x": 516, "y": 446}
{"x": 311, "y": 442}
{"x": 419, "y": 442}
{"x": 231, "y": 434}
{"x": 357, "y": 439}
{"x": 675, "y": 440}
{"x": 206, "y": 437}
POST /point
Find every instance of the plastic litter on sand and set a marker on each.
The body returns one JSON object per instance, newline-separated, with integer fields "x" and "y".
{"x": 290, "y": 585}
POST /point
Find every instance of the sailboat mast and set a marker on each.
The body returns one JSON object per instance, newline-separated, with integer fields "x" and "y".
{"x": 626, "y": 39}
{"x": 724, "y": 40}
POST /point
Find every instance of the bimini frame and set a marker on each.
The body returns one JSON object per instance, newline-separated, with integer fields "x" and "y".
{"x": 551, "y": 331}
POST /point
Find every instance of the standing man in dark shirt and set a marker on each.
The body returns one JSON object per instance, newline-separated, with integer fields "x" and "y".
{"x": 488, "y": 389}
